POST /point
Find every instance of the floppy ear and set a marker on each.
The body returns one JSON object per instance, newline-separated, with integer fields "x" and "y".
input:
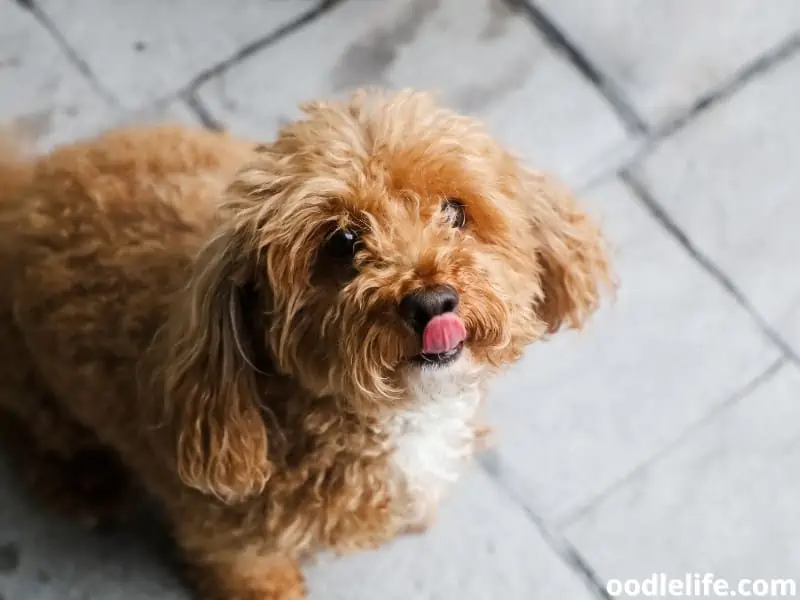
{"x": 211, "y": 383}
{"x": 570, "y": 250}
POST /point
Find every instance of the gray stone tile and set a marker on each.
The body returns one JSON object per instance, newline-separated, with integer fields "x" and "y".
{"x": 664, "y": 54}
{"x": 580, "y": 412}
{"x": 483, "y": 547}
{"x": 724, "y": 501}
{"x": 481, "y": 56}
{"x": 50, "y": 102}
{"x": 47, "y": 559}
{"x": 146, "y": 50}
{"x": 730, "y": 181}
{"x": 44, "y": 98}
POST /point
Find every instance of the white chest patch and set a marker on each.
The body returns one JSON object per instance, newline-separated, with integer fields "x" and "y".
{"x": 433, "y": 440}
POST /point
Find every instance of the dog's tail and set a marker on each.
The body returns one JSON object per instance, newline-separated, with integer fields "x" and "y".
{"x": 16, "y": 164}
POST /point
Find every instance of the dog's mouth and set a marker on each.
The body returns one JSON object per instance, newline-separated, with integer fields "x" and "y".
{"x": 442, "y": 340}
{"x": 439, "y": 359}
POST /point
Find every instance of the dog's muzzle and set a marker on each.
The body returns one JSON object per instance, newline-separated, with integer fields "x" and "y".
{"x": 432, "y": 314}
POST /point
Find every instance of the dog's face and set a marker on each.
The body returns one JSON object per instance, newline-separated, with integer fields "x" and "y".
{"x": 395, "y": 235}
{"x": 385, "y": 235}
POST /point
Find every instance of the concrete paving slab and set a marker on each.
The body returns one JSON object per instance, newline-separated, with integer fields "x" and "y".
{"x": 666, "y": 54}
{"x": 52, "y": 102}
{"x": 146, "y": 50}
{"x": 44, "y": 97}
{"x": 731, "y": 182}
{"x": 724, "y": 501}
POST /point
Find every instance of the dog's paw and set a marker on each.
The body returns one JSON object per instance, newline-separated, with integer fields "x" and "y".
{"x": 251, "y": 578}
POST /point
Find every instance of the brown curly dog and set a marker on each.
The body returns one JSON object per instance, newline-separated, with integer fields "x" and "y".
{"x": 284, "y": 344}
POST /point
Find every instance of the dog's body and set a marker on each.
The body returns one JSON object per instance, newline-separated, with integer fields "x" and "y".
{"x": 181, "y": 310}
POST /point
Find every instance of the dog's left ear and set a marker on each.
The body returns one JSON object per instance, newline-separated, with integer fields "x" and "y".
{"x": 212, "y": 392}
{"x": 570, "y": 251}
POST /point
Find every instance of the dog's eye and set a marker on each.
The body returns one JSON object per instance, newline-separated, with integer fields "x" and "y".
{"x": 335, "y": 262}
{"x": 341, "y": 245}
{"x": 454, "y": 212}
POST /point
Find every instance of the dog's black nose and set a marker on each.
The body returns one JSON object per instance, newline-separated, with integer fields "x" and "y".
{"x": 421, "y": 306}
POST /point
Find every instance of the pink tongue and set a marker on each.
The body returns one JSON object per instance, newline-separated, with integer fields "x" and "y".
{"x": 443, "y": 333}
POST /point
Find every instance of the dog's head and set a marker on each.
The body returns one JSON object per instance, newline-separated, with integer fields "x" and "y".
{"x": 372, "y": 239}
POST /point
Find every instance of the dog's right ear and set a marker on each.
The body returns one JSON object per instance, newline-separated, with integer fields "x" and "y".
{"x": 211, "y": 384}
{"x": 571, "y": 252}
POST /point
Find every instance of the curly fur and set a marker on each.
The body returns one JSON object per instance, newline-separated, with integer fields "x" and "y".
{"x": 171, "y": 319}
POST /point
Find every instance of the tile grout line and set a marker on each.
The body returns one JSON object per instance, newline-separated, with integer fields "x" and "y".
{"x": 650, "y": 138}
{"x": 711, "y": 268}
{"x": 577, "y": 562}
{"x": 561, "y": 546}
{"x": 562, "y": 44}
{"x": 255, "y": 46}
{"x": 740, "y": 79}
{"x": 72, "y": 55}
{"x": 189, "y": 92}
{"x": 199, "y": 110}
{"x": 745, "y": 76}
{"x": 748, "y": 388}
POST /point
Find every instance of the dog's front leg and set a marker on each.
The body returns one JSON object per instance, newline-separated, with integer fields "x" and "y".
{"x": 246, "y": 575}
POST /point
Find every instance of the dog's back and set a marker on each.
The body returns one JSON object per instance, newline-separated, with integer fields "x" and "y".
{"x": 95, "y": 236}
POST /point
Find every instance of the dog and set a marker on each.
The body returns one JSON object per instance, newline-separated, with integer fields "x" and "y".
{"x": 286, "y": 345}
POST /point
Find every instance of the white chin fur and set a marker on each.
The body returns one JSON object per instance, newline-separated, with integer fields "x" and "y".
{"x": 433, "y": 439}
